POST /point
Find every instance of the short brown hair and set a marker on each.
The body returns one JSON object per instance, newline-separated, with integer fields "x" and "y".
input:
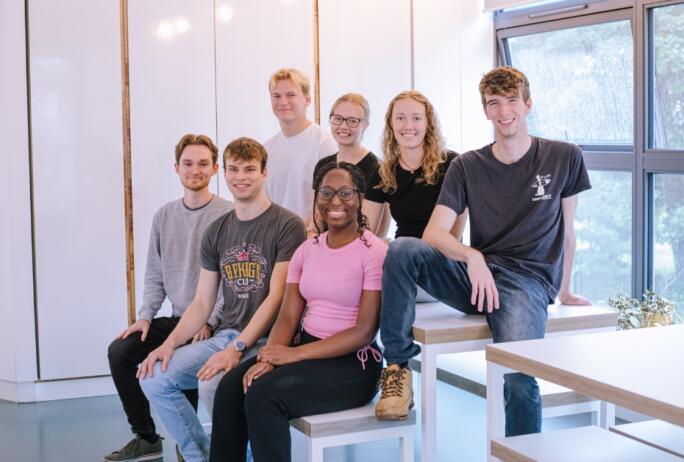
{"x": 202, "y": 140}
{"x": 504, "y": 80}
{"x": 296, "y": 76}
{"x": 245, "y": 149}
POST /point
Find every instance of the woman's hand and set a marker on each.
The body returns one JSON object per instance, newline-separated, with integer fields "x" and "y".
{"x": 254, "y": 373}
{"x": 277, "y": 355}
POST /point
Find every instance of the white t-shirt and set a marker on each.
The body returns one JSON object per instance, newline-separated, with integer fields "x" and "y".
{"x": 291, "y": 161}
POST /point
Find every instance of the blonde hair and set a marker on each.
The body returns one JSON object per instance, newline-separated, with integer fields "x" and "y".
{"x": 353, "y": 98}
{"x": 296, "y": 76}
{"x": 433, "y": 145}
{"x": 191, "y": 139}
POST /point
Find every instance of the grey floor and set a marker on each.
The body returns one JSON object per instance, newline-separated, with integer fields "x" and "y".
{"x": 83, "y": 430}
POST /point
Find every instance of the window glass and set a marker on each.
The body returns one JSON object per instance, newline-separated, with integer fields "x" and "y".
{"x": 581, "y": 82}
{"x": 668, "y": 238}
{"x": 603, "y": 227}
{"x": 667, "y": 89}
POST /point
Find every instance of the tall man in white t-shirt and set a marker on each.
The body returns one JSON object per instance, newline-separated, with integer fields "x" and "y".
{"x": 294, "y": 151}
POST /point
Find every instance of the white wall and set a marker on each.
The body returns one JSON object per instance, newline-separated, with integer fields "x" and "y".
{"x": 78, "y": 183}
{"x": 212, "y": 78}
{"x": 17, "y": 342}
{"x": 171, "y": 55}
{"x": 365, "y": 47}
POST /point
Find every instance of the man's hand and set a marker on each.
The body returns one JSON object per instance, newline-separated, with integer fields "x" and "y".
{"x": 277, "y": 355}
{"x": 223, "y": 361}
{"x": 569, "y": 298}
{"x": 163, "y": 354}
{"x": 482, "y": 282}
{"x": 141, "y": 325}
{"x": 202, "y": 334}
{"x": 254, "y": 373}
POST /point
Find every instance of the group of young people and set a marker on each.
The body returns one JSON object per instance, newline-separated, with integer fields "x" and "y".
{"x": 277, "y": 298}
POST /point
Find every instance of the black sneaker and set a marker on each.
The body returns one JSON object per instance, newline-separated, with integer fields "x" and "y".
{"x": 135, "y": 450}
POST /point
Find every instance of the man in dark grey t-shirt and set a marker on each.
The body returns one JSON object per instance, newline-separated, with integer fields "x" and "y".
{"x": 247, "y": 252}
{"x": 521, "y": 192}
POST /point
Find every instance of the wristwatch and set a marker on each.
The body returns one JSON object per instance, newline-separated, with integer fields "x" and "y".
{"x": 239, "y": 346}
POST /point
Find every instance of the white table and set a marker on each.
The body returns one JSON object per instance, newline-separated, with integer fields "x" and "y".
{"x": 441, "y": 329}
{"x": 642, "y": 370}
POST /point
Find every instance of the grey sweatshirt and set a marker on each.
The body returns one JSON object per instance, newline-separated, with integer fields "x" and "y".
{"x": 173, "y": 264}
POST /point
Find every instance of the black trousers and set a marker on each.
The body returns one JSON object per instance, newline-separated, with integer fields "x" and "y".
{"x": 124, "y": 357}
{"x": 289, "y": 391}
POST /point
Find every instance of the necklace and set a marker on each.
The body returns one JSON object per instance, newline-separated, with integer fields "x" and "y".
{"x": 406, "y": 166}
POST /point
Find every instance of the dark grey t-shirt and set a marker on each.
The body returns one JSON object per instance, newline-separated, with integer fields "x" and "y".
{"x": 245, "y": 252}
{"x": 516, "y": 217}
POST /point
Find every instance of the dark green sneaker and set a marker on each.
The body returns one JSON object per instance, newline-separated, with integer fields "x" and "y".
{"x": 179, "y": 456}
{"x": 136, "y": 450}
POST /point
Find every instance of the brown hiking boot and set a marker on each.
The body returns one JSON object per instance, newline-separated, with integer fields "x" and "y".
{"x": 396, "y": 396}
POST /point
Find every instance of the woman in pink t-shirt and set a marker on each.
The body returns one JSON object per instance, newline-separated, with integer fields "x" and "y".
{"x": 319, "y": 359}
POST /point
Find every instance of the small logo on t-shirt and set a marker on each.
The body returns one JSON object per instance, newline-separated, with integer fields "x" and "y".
{"x": 540, "y": 183}
{"x": 244, "y": 269}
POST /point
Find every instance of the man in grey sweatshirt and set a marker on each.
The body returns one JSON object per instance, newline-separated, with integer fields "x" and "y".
{"x": 172, "y": 271}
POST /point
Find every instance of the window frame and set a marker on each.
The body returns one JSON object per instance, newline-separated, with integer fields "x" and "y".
{"x": 640, "y": 159}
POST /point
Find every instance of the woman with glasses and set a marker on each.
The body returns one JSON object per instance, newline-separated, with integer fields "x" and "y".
{"x": 332, "y": 362}
{"x": 411, "y": 173}
{"x": 349, "y": 118}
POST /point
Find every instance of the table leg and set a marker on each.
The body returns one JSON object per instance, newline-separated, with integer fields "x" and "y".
{"x": 428, "y": 403}
{"x": 606, "y": 414}
{"x": 495, "y": 405}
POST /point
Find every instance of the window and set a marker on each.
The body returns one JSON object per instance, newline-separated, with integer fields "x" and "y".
{"x": 581, "y": 82}
{"x": 603, "y": 225}
{"x": 582, "y": 61}
{"x": 668, "y": 238}
{"x": 667, "y": 77}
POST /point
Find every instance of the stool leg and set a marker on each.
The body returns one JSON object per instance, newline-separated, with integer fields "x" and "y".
{"x": 315, "y": 451}
{"x": 406, "y": 447}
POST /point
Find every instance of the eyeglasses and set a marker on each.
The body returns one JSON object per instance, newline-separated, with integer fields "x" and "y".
{"x": 352, "y": 122}
{"x": 346, "y": 193}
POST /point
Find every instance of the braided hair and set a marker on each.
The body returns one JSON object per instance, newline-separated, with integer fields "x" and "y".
{"x": 359, "y": 181}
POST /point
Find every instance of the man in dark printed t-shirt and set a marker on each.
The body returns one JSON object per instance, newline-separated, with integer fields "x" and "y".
{"x": 521, "y": 192}
{"x": 246, "y": 252}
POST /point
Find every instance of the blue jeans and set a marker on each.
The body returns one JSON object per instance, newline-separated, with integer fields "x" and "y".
{"x": 522, "y": 315}
{"x": 164, "y": 391}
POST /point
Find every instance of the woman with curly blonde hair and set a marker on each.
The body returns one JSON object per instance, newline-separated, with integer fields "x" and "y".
{"x": 412, "y": 170}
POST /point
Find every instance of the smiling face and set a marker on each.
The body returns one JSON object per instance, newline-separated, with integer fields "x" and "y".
{"x": 508, "y": 113}
{"x": 244, "y": 178}
{"x": 343, "y": 133}
{"x": 196, "y": 167}
{"x": 409, "y": 123}
{"x": 338, "y": 213}
{"x": 288, "y": 102}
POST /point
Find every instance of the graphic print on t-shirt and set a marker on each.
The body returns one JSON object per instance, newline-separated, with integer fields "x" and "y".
{"x": 540, "y": 183}
{"x": 244, "y": 269}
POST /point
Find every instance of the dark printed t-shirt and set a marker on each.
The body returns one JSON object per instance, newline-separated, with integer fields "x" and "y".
{"x": 412, "y": 203}
{"x": 516, "y": 217}
{"x": 368, "y": 165}
{"x": 245, "y": 252}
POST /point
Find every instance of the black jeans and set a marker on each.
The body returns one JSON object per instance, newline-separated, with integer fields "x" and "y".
{"x": 289, "y": 391}
{"x": 124, "y": 357}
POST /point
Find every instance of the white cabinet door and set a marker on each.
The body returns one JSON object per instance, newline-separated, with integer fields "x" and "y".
{"x": 78, "y": 183}
{"x": 365, "y": 47}
{"x": 171, "y": 46}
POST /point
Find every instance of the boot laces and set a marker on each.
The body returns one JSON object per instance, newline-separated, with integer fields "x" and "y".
{"x": 391, "y": 383}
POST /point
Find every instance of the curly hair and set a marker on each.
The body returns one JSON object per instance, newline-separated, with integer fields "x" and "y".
{"x": 433, "y": 145}
{"x": 504, "y": 80}
{"x": 359, "y": 182}
{"x": 245, "y": 149}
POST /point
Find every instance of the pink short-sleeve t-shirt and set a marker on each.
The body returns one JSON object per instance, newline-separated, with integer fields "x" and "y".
{"x": 331, "y": 280}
